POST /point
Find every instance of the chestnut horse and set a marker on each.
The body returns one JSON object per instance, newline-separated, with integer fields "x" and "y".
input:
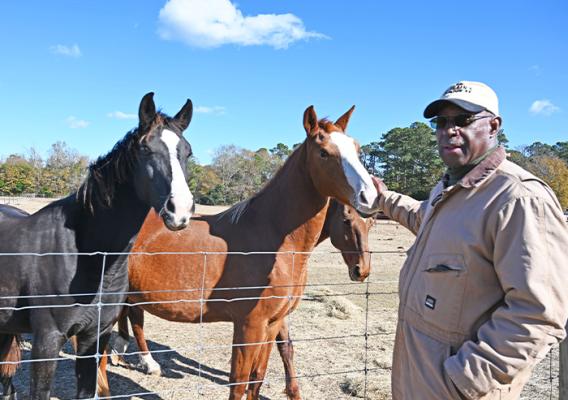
{"x": 73, "y": 289}
{"x": 281, "y": 224}
{"x": 347, "y": 231}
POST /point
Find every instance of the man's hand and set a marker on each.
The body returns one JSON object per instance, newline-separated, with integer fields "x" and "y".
{"x": 379, "y": 185}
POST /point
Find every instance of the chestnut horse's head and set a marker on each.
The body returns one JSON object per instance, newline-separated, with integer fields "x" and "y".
{"x": 334, "y": 164}
{"x": 349, "y": 233}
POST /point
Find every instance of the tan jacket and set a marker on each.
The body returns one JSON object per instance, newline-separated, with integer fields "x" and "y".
{"x": 483, "y": 290}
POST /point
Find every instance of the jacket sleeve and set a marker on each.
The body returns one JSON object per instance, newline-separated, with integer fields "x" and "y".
{"x": 403, "y": 209}
{"x": 530, "y": 242}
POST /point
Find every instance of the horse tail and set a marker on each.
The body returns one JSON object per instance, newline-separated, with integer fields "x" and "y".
{"x": 10, "y": 353}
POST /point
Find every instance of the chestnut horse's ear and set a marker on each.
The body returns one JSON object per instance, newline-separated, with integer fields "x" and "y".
{"x": 147, "y": 110}
{"x": 183, "y": 117}
{"x": 344, "y": 119}
{"x": 310, "y": 121}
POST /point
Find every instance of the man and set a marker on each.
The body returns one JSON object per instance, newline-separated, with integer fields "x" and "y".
{"x": 483, "y": 290}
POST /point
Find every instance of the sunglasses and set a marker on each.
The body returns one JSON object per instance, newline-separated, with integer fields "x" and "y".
{"x": 460, "y": 120}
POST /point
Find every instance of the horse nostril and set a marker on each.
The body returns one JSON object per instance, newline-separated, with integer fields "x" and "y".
{"x": 357, "y": 272}
{"x": 362, "y": 197}
{"x": 170, "y": 206}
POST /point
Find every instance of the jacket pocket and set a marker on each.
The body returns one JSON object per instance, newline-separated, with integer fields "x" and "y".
{"x": 439, "y": 290}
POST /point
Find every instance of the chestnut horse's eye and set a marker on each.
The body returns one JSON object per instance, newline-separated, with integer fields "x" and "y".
{"x": 323, "y": 153}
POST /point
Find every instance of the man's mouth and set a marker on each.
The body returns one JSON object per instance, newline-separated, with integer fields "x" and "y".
{"x": 452, "y": 146}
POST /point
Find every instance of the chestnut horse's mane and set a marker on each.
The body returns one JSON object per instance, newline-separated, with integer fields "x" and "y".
{"x": 328, "y": 126}
{"x": 238, "y": 210}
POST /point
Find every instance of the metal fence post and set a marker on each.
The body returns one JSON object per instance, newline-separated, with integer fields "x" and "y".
{"x": 563, "y": 379}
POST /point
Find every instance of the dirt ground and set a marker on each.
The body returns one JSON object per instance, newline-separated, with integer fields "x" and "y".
{"x": 332, "y": 352}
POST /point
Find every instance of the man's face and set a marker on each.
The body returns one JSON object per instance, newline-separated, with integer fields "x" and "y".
{"x": 459, "y": 146}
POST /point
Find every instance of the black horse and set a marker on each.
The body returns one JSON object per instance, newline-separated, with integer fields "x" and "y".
{"x": 55, "y": 282}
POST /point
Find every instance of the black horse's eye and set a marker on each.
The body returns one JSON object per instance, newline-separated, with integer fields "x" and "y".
{"x": 323, "y": 153}
{"x": 347, "y": 221}
{"x": 145, "y": 149}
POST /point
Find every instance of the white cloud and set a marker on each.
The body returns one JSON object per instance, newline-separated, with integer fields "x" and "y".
{"x": 543, "y": 107}
{"x": 76, "y": 123}
{"x": 212, "y": 23}
{"x": 217, "y": 110}
{"x": 69, "y": 51}
{"x": 121, "y": 115}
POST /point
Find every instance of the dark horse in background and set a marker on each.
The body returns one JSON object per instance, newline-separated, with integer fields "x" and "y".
{"x": 56, "y": 296}
{"x": 347, "y": 231}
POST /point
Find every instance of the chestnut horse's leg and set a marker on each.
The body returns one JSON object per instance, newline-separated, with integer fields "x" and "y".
{"x": 261, "y": 363}
{"x": 103, "y": 388}
{"x": 243, "y": 357}
{"x": 136, "y": 316}
{"x": 286, "y": 350}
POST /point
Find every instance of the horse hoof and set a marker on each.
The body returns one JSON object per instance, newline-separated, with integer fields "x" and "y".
{"x": 154, "y": 371}
{"x": 147, "y": 369}
{"x": 292, "y": 394}
{"x": 115, "y": 359}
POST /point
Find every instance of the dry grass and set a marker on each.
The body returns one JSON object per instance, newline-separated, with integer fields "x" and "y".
{"x": 328, "y": 329}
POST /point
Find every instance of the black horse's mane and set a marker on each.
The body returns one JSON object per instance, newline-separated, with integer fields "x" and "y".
{"x": 108, "y": 170}
{"x": 115, "y": 167}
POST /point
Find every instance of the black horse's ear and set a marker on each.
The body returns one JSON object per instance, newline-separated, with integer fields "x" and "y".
{"x": 183, "y": 117}
{"x": 310, "y": 121}
{"x": 147, "y": 110}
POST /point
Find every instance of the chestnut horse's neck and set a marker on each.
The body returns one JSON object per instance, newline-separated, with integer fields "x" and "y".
{"x": 289, "y": 209}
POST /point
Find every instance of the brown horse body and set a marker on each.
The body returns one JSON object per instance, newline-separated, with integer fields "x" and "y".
{"x": 219, "y": 279}
{"x": 348, "y": 233}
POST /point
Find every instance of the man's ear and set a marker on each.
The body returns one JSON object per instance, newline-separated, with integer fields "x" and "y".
{"x": 495, "y": 124}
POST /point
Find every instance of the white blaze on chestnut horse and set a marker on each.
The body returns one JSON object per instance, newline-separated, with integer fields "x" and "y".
{"x": 286, "y": 216}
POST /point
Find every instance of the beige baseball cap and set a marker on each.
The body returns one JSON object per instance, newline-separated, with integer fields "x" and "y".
{"x": 471, "y": 96}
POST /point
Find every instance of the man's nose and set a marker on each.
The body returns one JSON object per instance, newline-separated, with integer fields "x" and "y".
{"x": 452, "y": 129}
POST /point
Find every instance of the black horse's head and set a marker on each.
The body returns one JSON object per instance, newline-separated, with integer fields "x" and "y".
{"x": 161, "y": 167}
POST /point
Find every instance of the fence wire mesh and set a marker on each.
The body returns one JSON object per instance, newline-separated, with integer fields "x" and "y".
{"x": 342, "y": 332}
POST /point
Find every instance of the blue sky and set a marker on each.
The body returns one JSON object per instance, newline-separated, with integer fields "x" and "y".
{"x": 76, "y": 70}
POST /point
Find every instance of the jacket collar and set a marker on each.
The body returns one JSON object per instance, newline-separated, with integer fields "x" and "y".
{"x": 481, "y": 171}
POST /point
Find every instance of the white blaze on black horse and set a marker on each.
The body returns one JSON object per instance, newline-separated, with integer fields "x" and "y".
{"x": 146, "y": 169}
{"x": 180, "y": 202}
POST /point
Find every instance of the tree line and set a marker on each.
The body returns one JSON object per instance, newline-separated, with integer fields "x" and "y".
{"x": 405, "y": 158}
{"x": 59, "y": 174}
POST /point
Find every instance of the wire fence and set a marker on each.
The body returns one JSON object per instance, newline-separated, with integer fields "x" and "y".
{"x": 342, "y": 332}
